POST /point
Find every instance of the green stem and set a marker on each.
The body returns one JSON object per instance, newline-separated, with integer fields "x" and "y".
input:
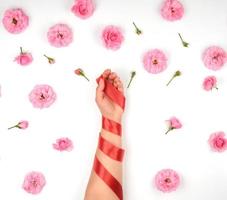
{"x": 170, "y": 80}
{"x": 46, "y": 56}
{"x": 12, "y": 127}
{"x": 130, "y": 82}
{"x": 170, "y": 129}
{"x": 21, "y": 50}
{"x": 85, "y": 76}
{"x": 181, "y": 37}
{"x": 135, "y": 25}
{"x": 138, "y": 31}
{"x": 185, "y": 44}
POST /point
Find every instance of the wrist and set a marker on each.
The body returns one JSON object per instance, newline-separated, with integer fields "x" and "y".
{"x": 114, "y": 117}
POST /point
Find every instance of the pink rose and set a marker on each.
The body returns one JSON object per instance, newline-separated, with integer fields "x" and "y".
{"x": 214, "y": 57}
{"x": 155, "y": 61}
{"x": 42, "y": 96}
{"x": 174, "y": 123}
{"x": 83, "y": 8}
{"x": 218, "y": 142}
{"x": 21, "y": 125}
{"x": 60, "y": 35}
{"x": 112, "y": 37}
{"x": 15, "y": 20}
{"x": 209, "y": 83}
{"x": 167, "y": 180}
{"x": 63, "y": 144}
{"x": 24, "y": 58}
{"x": 172, "y": 10}
{"x": 80, "y": 72}
{"x": 34, "y": 182}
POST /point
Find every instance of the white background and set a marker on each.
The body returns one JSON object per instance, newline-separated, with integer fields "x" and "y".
{"x": 149, "y": 101}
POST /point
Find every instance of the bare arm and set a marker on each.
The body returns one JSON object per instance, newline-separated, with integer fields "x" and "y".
{"x": 97, "y": 189}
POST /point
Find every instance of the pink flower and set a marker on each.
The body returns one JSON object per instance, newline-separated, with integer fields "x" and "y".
{"x": 155, "y": 61}
{"x": 83, "y": 8}
{"x": 218, "y": 142}
{"x": 24, "y": 58}
{"x": 172, "y": 10}
{"x": 174, "y": 123}
{"x": 167, "y": 180}
{"x": 214, "y": 57}
{"x": 112, "y": 37}
{"x": 60, "y": 35}
{"x": 42, "y": 96}
{"x": 80, "y": 72}
{"x": 20, "y": 125}
{"x": 63, "y": 144}
{"x": 209, "y": 83}
{"x": 34, "y": 182}
{"x": 15, "y": 20}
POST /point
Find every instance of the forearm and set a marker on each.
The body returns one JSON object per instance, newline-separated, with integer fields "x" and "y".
{"x": 96, "y": 187}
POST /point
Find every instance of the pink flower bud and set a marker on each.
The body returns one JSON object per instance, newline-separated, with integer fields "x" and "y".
{"x": 174, "y": 123}
{"x": 80, "y": 72}
{"x": 21, "y": 125}
{"x": 209, "y": 83}
{"x": 24, "y": 58}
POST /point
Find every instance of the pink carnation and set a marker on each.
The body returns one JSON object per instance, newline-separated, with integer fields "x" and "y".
{"x": 60, "y": 35}
{"x": 155, "y": 61}
{"x": 15, "y": 20}
{"x": 24, "y": 58}
{"x": 34, "y": 182}
{"x": 172, "y": 10}
{"x": 42, "y": 96}
{"x": 83, "y": 8}
{"x": 218, "y": 142}
{"x": 112, "y": 37}
{"x": 63, "y": 144}
{"x": 214, "y": 57}
{"x": 167, "y": 180}
{"x": 209, "y": 83}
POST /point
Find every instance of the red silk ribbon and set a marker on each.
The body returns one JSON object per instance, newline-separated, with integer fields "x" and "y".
{"x": 108, "y": 178}
{"x": 105, "y": 146}
{"x": 111, "y": 150}
{"x": 111, "y": 126}
{"x": 113, "y": 93}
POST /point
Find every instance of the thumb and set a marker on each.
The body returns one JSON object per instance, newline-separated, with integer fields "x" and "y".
{"x": 99, "y": 90}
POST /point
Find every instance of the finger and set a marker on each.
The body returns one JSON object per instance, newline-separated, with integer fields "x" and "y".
{"x": 113, "y": 75}
{"x": 106, "y": 73}
{"x": 120, "y": 87}
{"x": 115, "y": 84}
{"x": 99, "y": 90}
{"x": 116, "y": 81}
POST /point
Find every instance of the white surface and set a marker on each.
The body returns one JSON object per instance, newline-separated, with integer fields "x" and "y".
{"x": 149, "y": 101}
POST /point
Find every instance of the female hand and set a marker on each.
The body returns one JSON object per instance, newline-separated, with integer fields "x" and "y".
{"x": 107, "y": 107}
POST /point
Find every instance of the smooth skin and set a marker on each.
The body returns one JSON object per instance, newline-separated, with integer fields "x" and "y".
{"x": 96, "y": 188}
